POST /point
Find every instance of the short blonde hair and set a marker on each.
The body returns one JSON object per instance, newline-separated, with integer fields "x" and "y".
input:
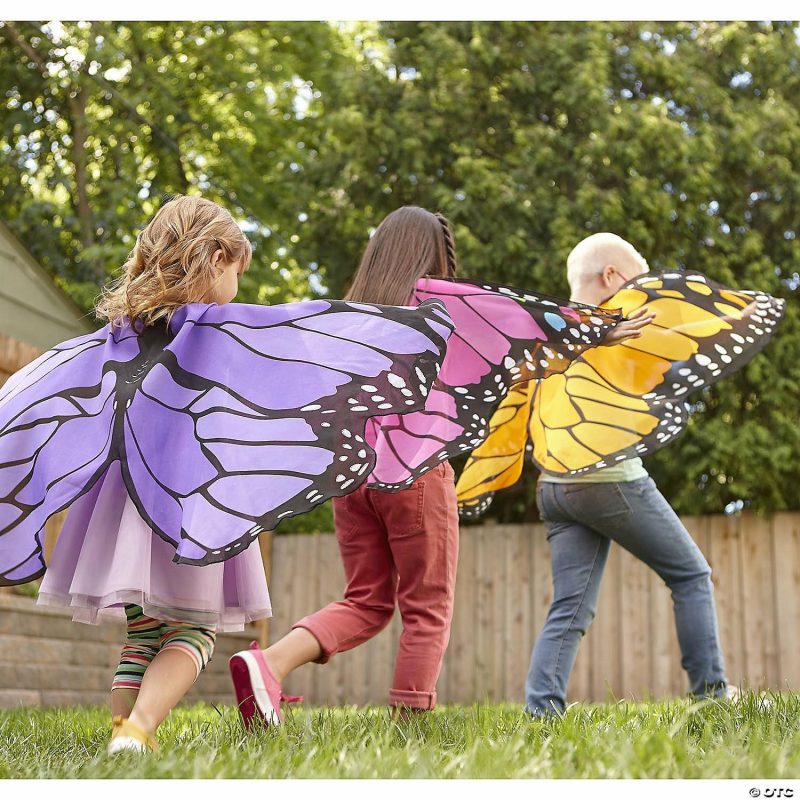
{"x": 597, "y": 251}
{"x": 171, "y": 263}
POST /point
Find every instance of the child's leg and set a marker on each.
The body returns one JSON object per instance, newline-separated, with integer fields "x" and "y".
{"x": 426, "y": 560}
{"x": 369, "y": 597}
{"x": 185, "y": 651}
{"x": 140, "y": 648}
{"x": 298, "y": 647}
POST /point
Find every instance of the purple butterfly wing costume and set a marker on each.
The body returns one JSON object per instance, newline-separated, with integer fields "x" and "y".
{"x": 218, "y": 427}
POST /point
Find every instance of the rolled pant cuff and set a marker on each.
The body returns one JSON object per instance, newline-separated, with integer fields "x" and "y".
{"x": 327, "y": 642}
{"x": 405, "y": 697}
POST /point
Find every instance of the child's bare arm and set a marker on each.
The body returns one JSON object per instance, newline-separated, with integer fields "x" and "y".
{"x": 630, "y": 328}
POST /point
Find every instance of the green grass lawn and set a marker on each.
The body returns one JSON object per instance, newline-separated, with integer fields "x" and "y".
{"x": 680, "y": 739}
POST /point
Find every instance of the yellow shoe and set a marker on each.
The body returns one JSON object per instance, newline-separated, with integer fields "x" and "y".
{"x": 126, "y": 736}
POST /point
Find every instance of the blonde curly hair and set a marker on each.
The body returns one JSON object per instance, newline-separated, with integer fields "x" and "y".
{"x": 171, "y": 263}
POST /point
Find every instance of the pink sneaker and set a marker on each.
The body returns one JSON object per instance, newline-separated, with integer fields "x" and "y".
{"x": 258, "y": 693}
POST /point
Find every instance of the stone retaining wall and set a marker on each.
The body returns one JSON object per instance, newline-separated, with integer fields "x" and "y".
{"x": 47, "y": 659}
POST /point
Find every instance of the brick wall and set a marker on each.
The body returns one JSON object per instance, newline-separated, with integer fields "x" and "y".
{"x": 47, "y": 659}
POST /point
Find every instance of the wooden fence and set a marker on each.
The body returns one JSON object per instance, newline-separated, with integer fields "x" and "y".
{"x": 13, "y": 356}
{"x": 503, "y": 593}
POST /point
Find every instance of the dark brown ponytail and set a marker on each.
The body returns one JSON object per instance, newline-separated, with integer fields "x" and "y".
{"x": 449, "y": 245}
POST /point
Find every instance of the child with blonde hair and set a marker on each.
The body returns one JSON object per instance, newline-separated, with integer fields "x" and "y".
{"x": 192, "y": 250}
{"x": 180, "y": 431}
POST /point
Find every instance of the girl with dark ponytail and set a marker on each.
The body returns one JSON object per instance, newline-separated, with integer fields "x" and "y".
{"x": 399, "y": 547}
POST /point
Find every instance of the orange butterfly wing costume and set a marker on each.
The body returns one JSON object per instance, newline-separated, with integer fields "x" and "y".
{"x": 628, "y": 400}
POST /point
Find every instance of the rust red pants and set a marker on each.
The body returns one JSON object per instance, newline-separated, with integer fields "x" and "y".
{"x": 397, "y": 548}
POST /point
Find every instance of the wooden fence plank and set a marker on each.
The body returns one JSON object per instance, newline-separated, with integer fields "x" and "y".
{"x": 634, "y": 625}
{"x": 306, "y": 600}
{"x": 726, "y": 574}
{"x": 786, "y": 598}
{"x": 663, "y": 641}
{"x": 517, "y": 634}
{"x": 527, "y": 632}
{"x": 331, "y": 584}
{"x": 498, "y": 629}
{"x": 606, "y": 631}
{"x": 483, "y": 641}
{"x": 759, "y": 611}
{"x": 459, "y": 661}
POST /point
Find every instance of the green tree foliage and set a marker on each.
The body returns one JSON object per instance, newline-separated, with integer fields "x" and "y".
{"x": 682, "y": 137}
{"x": 102, "y": 119}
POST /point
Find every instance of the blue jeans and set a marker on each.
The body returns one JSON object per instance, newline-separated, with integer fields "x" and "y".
{"x": 582, "y": 519}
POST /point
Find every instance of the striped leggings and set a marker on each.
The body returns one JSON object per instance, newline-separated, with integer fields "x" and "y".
{"x": 147, "y": 637}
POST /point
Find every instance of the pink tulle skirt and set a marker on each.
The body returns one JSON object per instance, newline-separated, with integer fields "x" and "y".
{"x": 107, "y": 556}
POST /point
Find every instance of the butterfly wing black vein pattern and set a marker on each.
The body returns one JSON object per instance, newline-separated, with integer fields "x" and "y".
{"x": 503, "y": 336}
{"x": 625, "y": 401}
{"x": 630, "y": 400}
{"x": 227, "y": 422}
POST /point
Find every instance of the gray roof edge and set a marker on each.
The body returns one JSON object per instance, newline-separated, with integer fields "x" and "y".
{"x": 47, "y": 279}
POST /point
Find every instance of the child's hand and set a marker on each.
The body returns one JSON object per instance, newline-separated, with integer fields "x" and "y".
{"x": 747, "y": 310}
{"x": 630, "y": 328}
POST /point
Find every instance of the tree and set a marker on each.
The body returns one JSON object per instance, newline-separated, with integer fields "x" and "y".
{"x": 683, "y": 138}
{"x": 102, "y": 119}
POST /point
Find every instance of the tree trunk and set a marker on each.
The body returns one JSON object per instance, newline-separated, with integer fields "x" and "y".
{"x": 80, "y": 200}
{"x": 183, "y": 179}
{"x": 76, "y": 105}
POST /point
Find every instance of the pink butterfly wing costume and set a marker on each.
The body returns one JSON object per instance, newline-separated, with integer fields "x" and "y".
{"x": 502, "y": 336}
{"x": 175, "y": 447}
